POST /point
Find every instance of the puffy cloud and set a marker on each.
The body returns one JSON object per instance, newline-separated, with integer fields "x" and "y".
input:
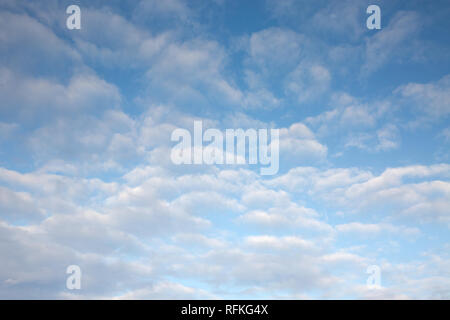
{"x": 302, "y": 179}
{"x": 390, "y": 41}
{"x": 43, "y": 99}
{"x": 298, "y": 145}
{"x": 386, "y": 138}
{"x": 271, "y": 242}
{"x": 22, "y": 34}
{"x": 433, "y": 99}
{"x": 18, "y": 206}
{"x": 92, "y": 110}
{"x": 353, "y": 123}
{"x": 195, "y": 71}
{"x": 373, "y": 228}
{"x": 307, "y": 82}
{"x": 168, "y": 291}
{"x": 413, "y": 191}
{"x": 274, "y": 50}
{"x": 347, "y": 113}
{"x": 296, "y": 261}
{"x": 290, "y": 217}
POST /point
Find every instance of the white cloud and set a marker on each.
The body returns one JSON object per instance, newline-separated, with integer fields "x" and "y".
{"x": 413, "y": 191}
{"x": 22, "y": 34}
{"x": 37, "y": 96}
{"x": 18, "y": 206}
{"x": 385, "y": 138}
{"x": 274, "y": 50}
{"x": 308, "y": 81}
{"x": 167, "y": 291}
{"x": 375, "y": 228}
{"x": 283, "y": 243}
{"x": 347, "y": 114}
{"x": 433, "y": 99}
{"x": 298, "y": 145}
{"x": 393, "y": 41}
{"x": 192, "y": 71}
{"x": 98, "y": 189}
{"x": 288, "y": 217}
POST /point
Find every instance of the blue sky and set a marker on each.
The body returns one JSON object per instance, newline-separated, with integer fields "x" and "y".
{"x": 86, "y": 178}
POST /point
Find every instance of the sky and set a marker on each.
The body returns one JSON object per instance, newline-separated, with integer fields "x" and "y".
{"x": 86, "y": 178}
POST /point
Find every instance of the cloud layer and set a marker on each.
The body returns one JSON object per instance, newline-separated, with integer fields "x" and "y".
{"x": 86, "y": 177}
